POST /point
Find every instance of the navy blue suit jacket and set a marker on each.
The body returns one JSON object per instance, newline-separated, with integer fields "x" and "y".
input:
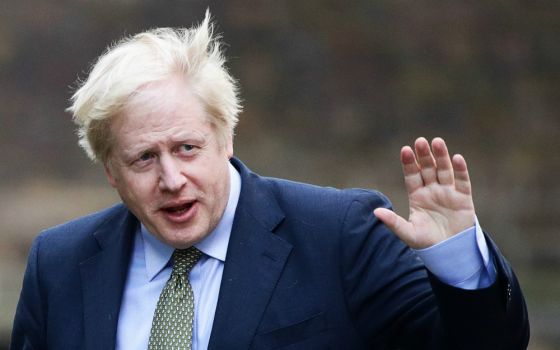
{"x": 307, "y": 268}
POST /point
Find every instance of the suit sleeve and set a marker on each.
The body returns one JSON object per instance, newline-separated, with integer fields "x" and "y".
{"x": 396, "y": 303}
{"x": 496, "y": 314}
{"x": 28, "y": 330}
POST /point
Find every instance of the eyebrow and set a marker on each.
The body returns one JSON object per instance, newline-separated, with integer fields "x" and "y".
{"x": 189, "y": 135}
{"x": 181, "y": 137}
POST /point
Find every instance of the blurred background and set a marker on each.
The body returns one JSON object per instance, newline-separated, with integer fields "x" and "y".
{"x": 332, "y": 90}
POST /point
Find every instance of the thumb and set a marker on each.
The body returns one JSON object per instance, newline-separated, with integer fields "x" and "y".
{"x": 401, "y": 227}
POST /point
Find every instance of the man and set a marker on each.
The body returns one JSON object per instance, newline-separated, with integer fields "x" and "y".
{"x": 206, "y": 254}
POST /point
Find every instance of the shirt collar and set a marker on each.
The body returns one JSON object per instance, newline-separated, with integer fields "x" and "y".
{"x": 157, "y": 253}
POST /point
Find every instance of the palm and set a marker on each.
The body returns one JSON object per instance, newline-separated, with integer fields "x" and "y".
{"x": 439, "y": 194}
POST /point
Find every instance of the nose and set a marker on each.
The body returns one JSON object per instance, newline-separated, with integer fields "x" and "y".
{"x": 171, "y": 179}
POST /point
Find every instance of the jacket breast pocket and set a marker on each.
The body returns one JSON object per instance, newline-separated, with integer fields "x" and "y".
{"x": 298, "y": 331}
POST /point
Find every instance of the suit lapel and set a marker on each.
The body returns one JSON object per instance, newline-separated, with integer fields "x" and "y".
{"x": 254, "y": 263}
{"x": 103, "y": 277}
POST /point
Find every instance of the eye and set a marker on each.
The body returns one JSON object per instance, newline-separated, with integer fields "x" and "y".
{"x": 186, "y": 149}
{"x": 144, "y": 157}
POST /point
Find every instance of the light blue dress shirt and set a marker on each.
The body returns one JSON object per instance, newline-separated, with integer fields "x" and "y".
{"x": 150, "y": 269}
{"x": 461, "y": 261}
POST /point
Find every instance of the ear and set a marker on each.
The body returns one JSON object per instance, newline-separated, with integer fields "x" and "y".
{"x": 229, "y": 146}
{"x": 109, "y": 174}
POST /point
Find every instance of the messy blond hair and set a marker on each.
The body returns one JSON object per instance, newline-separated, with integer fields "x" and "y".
{"x": 152, "y": 56}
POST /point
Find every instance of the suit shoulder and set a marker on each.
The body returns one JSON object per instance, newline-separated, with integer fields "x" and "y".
{"x": 299, "y": 195}
{"x": 324, "y": 203}
{"x": 81, "y": 227}
{"x": 313, "y": 194}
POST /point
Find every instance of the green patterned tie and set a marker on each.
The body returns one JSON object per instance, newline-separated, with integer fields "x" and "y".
{"x": 172, "y": 325}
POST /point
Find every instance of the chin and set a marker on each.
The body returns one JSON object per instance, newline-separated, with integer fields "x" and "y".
{"x": 182, "y": 240}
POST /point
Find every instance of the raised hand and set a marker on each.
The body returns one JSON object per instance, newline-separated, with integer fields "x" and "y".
{"x": 439, "y": 195}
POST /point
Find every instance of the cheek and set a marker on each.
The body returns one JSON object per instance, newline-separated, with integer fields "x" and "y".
{"x": 211, "y": 182}
{"x": 221, "y": 186}
{"x": 139, "y": 186}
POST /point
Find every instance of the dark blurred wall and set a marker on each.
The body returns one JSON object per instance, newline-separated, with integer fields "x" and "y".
{"x": 331, "y": 91}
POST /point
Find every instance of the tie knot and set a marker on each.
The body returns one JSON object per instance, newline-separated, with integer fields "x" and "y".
{"x": 184, "y": 260}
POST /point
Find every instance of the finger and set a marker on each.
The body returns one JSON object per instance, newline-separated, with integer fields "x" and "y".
{"x": 401, "y": 227}
{"x": 425, "y": 161}
{"x": 462, "y": 180}
{"x": 411, "y": 171}
{"x": 444, "y": 170}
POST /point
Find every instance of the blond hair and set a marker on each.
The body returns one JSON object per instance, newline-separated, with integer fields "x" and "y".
{"x": 148, "y": 57}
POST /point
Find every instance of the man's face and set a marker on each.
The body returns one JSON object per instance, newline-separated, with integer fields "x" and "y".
{"x": 169, "y": 164}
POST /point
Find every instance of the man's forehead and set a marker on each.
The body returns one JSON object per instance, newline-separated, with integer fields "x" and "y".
{"x": 159, "y": 126}
{"x": 164, "y": 94}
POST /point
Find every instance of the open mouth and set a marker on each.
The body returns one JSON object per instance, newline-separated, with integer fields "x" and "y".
{"x": 179, "y": 209}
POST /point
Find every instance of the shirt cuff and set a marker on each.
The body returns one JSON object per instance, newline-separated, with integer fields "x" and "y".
{"x": 462, "y": 261}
